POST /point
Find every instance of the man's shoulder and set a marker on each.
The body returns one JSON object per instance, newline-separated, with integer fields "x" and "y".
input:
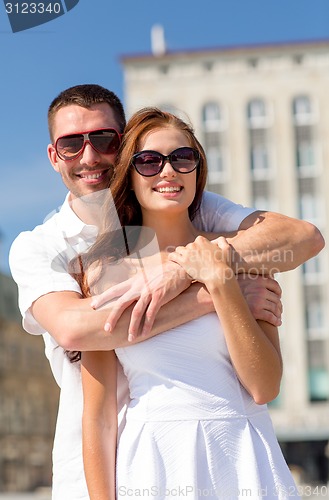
{"x": 45, "y": 234}
{"x": 215, "y": 199}
{"x": 49, "y": 225}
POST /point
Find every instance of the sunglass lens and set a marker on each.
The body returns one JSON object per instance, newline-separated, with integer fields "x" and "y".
{"x": 105, "y": 141}
{"x": 184, "y": 159}
{"x": 69, "y": 146}
{"x": 148, "y": 163}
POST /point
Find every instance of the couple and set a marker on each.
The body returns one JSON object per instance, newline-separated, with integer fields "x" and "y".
{"x": 51, "y": 301}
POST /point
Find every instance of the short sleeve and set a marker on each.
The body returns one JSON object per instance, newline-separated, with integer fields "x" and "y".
{"x": 31, "y": 261}
{"x": 218, "y": 214}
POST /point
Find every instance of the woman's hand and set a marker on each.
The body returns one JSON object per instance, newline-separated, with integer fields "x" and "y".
{"x": 205, "y": 260}
{"x": 148, "y": 290}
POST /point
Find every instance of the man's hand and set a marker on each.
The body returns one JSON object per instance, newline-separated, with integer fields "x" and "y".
{"x": 150, "y": 290}
{"x": 263, "y": 296}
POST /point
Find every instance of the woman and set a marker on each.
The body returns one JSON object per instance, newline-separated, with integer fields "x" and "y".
{"x": 197, "y": 424}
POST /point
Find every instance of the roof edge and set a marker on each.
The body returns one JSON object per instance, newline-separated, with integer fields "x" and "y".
{"x": 229, "y": 49}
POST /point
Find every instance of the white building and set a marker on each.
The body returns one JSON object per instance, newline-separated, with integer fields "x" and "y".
{"x": 262, "y": 114}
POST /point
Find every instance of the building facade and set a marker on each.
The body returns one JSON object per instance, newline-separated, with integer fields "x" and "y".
{"x": 262, "y": 114}
{"x": 28, "y": 401}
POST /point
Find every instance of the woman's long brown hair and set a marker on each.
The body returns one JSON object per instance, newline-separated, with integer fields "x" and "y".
{"x": 112, "y": 244}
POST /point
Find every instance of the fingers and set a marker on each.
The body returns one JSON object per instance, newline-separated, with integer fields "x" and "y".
{"x": 273, "y": 285}
{"x": 274, "y": 301}
{"x": 146, "y": 309}
{"x": 222, "y": 242}
{"x": 269, "y": 310}
{"x": 137, "y": 316}
{"x": 116, "y": 312}
{"x": 113, "y": 292}
{"x": 265, "y": 282}
{"x": 177, "y": 256}
{"x": 148, "y": 313}
{"x": 259, "y": 284}
{"x": 270, "y": 317}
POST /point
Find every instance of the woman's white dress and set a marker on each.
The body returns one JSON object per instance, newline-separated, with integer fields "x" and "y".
{"x": 192, "y": 430}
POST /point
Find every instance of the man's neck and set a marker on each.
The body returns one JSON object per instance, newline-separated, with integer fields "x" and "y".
{"x": 88, "y": 208}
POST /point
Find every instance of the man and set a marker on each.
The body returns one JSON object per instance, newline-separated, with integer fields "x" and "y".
{"x": 85, "y": 123}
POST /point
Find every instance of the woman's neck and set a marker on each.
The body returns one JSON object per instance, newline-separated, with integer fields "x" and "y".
{"x": 171, "y": 230}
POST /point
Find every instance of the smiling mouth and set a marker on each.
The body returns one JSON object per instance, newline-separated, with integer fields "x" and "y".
{"x": 92, "y": 176}
{"x": 171, "y": 189}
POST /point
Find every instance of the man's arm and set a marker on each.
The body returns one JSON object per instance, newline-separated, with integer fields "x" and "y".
{"x": 70, "y": 319}
{"x": 268, "y": 242}
{"x": 76, "y": 326}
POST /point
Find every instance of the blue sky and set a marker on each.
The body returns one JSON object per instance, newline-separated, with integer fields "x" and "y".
{"x": 85, "y": 46}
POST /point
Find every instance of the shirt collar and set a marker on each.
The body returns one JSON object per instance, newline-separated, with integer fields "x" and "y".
{"x": 71, "y": 224}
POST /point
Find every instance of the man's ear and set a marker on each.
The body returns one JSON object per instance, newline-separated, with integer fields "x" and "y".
{"x": 53, "y": 158}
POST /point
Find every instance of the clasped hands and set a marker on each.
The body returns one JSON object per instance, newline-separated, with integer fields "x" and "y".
{"x": 201, "y": 260}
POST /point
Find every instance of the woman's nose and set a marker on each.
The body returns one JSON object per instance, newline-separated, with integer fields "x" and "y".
{"x": 168, "y": 170}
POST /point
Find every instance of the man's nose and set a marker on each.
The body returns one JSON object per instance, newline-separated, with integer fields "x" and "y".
{"x": 89, "y": 155}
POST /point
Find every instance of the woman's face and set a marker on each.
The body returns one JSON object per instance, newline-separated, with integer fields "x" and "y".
{"x": 169, "y": 190}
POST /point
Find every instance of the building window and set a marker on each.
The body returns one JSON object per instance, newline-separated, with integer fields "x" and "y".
{"x": 317, "y": 343}
{"x": 261, "y": 195}
{"x": 315, "y": 319}
{"x": 298, "y": 59}
{"x": 259, "y": 161}
{"x": 212, "y": 117}
{"x": 302, "y": 109}
{"x": 208, "y": 65}
{"x": 318, "y": 373}
{"x": 310, "y": 208}
{"x": 257, "y": 114}
{"x": 214, "y": 126}
{"x": 253, "y": 63}
{"x": 259, "y": 151}
{"x": 305, "y": 154}
{"x": 163, "y": 69}
{"x": 314, "y": 270}
{"x": 305, "y": 150}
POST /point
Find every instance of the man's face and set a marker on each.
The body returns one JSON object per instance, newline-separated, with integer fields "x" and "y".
{"x": 91, "y": 171}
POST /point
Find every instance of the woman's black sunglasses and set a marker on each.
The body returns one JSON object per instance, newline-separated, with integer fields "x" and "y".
{"x": 183, "y": 160}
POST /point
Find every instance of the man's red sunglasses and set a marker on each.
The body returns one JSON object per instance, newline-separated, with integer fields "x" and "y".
{"x": 105, "y": 141}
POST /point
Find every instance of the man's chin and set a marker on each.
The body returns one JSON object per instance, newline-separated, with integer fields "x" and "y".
{"x": 92, "y": 196}
{"x": 86, "y": 189}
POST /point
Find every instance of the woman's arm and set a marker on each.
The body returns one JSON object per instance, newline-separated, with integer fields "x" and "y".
{"x": 253, "y": 346}
{"x": 99, "y": 422}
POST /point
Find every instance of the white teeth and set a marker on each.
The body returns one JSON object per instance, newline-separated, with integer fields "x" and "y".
{"x": 92, "y": 176}
{"x": 168, "y": 189}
